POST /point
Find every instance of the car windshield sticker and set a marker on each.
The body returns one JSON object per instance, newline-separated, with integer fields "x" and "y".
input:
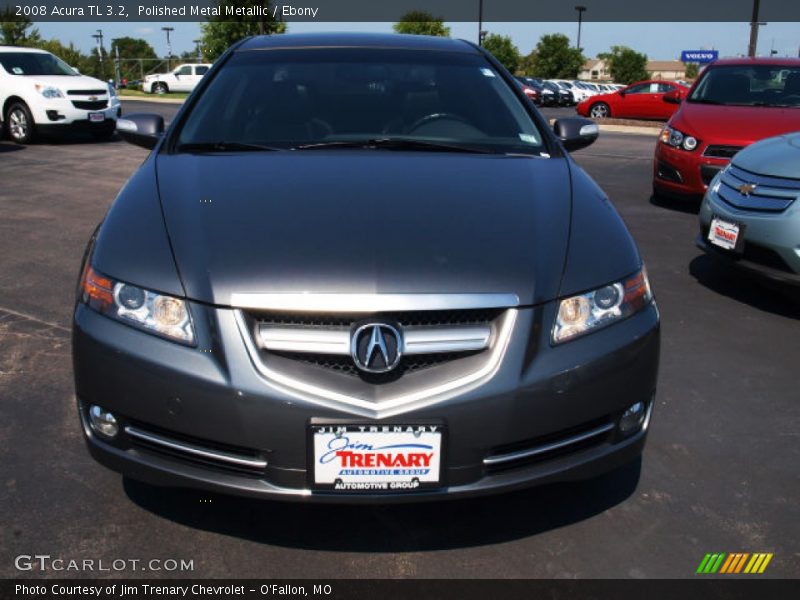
{"x": 528, "y": 138}
{"x": 17, "y": 71}
{"x": 487, "y": 72}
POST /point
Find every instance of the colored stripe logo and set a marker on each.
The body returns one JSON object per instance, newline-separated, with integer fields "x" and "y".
{"x": 736, "y": 562}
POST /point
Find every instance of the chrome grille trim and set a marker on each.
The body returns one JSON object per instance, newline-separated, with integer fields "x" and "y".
{"x": 369, "y": 303}
{"x": 416, "y": 340}
{"x": 392, "y": 404}
{"x": 770, "y": 193}
{"x": 544, "y": 448}
{"x": 194, "y": 450}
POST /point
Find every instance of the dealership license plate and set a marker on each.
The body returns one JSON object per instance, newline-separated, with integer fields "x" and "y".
{"x": 723, "y": 233}
{"x": 97, "y": 117}
{"x": 376, "y": 458}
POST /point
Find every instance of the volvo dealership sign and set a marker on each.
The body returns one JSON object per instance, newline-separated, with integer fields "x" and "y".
{"x": 699, "y": 56}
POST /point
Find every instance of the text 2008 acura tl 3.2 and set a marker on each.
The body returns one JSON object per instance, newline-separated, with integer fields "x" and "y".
{"x": 362, "y": 267}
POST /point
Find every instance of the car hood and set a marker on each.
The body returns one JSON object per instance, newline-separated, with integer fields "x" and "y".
{"x": 735, "y": 125}
{"x": 69, "y": 82}
{"x": 776, "y": 156}
{"x": 371, "y": 221}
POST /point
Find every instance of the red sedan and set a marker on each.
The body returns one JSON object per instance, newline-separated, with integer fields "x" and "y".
{"x": 640, "y": 100}
{"x": 734, "y": 103}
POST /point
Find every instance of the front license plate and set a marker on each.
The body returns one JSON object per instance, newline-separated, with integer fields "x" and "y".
{"x": 97, "y": 117}
{"x": 376, "y": 458}
{"x": 723, "y": 233}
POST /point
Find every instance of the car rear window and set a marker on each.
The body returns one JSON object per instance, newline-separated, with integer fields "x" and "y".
{"x": 290, "y": 97}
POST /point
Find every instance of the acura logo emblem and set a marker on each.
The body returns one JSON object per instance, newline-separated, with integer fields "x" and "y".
{"x": 376, "y": 347}
{"x": 747, "y": 188}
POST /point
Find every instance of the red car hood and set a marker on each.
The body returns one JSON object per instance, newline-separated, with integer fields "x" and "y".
{"x": 734, "y": 125}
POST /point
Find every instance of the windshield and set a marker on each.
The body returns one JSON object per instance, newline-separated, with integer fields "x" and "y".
{"x": 292, "y": 98}
{"x": 34, "y": 63}
{"x": 749, "y": 85}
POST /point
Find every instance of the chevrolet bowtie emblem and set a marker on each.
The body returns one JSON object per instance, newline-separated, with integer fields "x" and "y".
{"x": 747, "y": 188}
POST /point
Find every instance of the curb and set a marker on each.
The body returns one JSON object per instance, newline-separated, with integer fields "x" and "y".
{"x": 155, "y": 99}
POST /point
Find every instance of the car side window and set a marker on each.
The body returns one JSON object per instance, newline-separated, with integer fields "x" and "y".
{"x": 186, "y": 70}
{"x": 200, "y": 70}
{"x": 642, "y": 88}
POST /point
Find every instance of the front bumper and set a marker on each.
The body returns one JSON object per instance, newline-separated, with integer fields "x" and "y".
{"x": 682, "y": 174}
{"x": 61, "y": 113}
{"x": 212, "y": 397}
{"x": 771, "y": 240}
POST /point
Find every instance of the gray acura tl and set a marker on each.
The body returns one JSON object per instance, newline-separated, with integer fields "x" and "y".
{"x": 362, "y": 267}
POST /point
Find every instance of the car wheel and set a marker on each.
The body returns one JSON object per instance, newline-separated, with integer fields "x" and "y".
{"x": 160, "y": 88}
{"x": 600, "y": 110}
{"x": 19, "y": 123}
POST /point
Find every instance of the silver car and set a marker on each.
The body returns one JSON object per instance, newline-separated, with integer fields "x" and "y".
{"x": 751, "y": 214}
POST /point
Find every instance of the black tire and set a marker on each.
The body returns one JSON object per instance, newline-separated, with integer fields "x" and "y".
{"x": 20, "y": 126}
{"x": 600, "y": 110}
{"x": 159, "y": 87}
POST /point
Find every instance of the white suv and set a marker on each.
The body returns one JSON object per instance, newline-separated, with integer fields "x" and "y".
{"x": 182, "y": 79}
{"x": 41, "y": 93}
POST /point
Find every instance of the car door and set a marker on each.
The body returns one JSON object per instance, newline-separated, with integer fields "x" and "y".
{"x": 663, "y": 110}
{"x": 199, "y": 71}
{"x": 183, "y": 79}
{"x": 631, "y": 101}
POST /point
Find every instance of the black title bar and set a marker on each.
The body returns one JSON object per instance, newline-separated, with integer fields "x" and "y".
{"x": 392, "y": 10}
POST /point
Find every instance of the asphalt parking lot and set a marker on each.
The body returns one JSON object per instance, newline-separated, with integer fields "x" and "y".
{"x": 719, "y": 474}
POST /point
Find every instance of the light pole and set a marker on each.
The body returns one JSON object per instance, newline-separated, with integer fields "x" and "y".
{"x": 480, "y": 23}
{"x": 167, "y": 30}
{"x": 581, "y": 9}
{"x": 197, "y": 49}
{"x": 99, "y": 39}
{"x": 115, "y": 51}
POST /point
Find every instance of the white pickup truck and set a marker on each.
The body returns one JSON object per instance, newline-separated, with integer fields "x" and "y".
{"x": 182, "y": 79}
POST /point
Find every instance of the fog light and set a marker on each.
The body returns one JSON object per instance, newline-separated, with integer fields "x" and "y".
{"x": 632, "y": 418}
{"x": 103, "y": 422}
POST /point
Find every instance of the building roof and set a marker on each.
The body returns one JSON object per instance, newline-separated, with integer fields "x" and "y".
{"x": 665, "y": 65}
{"x": 591, "y": 63}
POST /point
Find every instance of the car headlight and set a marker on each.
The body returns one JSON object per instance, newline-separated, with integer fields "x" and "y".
{"x": 49, "y": 92}
{"x": 677, "y": 139}
{"x": 587, "y": 312}
{"x": 156, "y": 313}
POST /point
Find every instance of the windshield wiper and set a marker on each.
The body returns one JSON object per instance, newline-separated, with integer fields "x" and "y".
{"x": 223, "y": 146}
{"x": 394, "y": 144}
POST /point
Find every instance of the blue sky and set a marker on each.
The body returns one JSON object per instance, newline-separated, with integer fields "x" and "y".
{"x": 657, "y": 40}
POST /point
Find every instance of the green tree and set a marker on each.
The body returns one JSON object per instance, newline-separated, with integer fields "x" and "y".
{"x": 14, "y": 30}
{"x": 69, "y": 54}
{"x": 691, "y": 70}
{"x": 527, "y": 64}
{"x": 625, "y": 64}
{"x": 553, "y": 57}
{"x": 503, "y": 50}
{"x": 131, "y": 49}
{"x": 219, "y": 33}
{"x": 418, "y": 22}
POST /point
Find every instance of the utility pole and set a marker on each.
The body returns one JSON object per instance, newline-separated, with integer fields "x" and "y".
{"x": 581, "y": 10}
{"x": 167, "y": 30}
{"x": 480, "y": 22}
{"x": 117, "y": 74}
{"x": 98, "y": 37}
{"x": 751, "y": 49}
{"x": 197, "y": 50}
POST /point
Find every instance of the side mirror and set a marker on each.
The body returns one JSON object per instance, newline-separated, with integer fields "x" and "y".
{"x": 141, "y": 129}
{"x": 673, "y": 97}
{"x": 622, "y": 92}
{"x": 576, "y": 132}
